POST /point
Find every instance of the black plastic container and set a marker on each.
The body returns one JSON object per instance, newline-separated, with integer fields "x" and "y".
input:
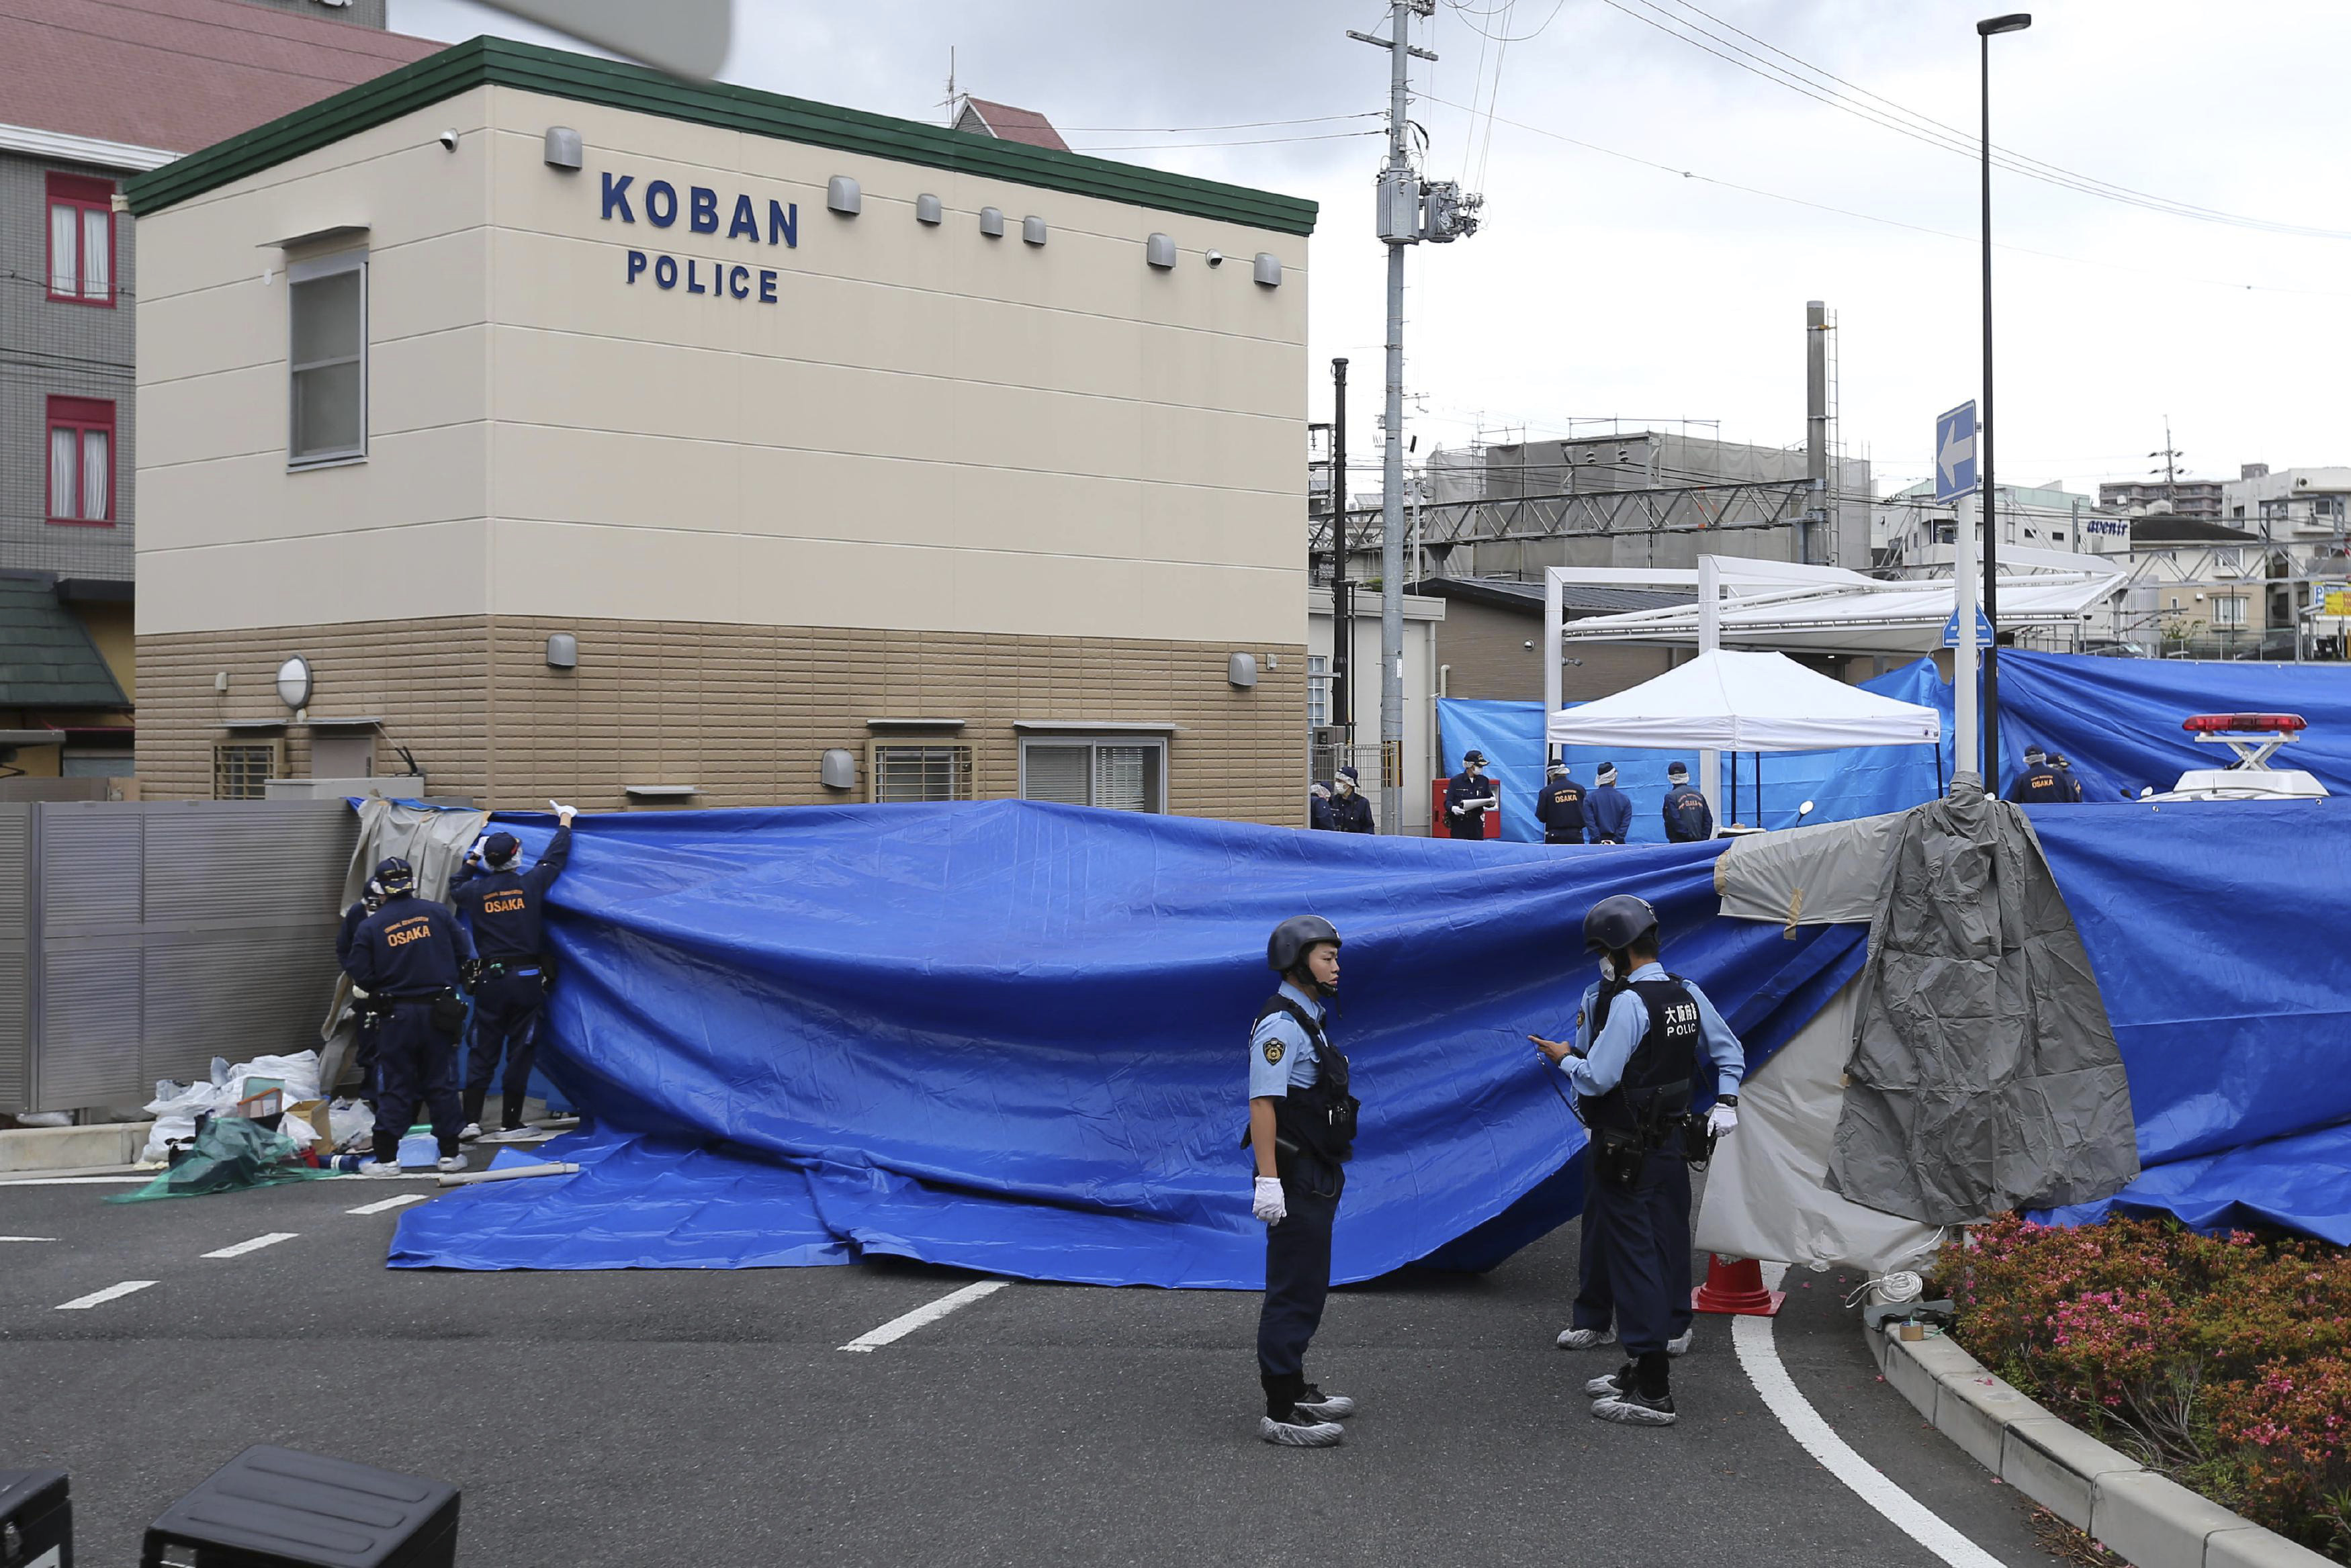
{"x": 275, "y": 1508}
{"x": 36, "y": 1520}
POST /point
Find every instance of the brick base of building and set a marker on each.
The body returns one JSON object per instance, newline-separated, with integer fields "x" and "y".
{"x": 744, "y": 713}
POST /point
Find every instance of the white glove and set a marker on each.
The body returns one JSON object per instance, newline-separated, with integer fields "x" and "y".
{"x": 1267, "y": 1204}
{"x": 1721, "y": 1119}
{"x": 564, "y": 814}
{"x": 1457, "y": 810}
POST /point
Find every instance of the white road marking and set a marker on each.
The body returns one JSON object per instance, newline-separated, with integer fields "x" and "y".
{"x": 27, "y": 1238}
{"x": 254, "y": 1244}
{"x": 898, "y": 1328}
{"x": 1760, "y": 1356}
{"x": 98, "y": 1298}
{"x": 381, "y": 1204}
{"x": 73, "y": 1181}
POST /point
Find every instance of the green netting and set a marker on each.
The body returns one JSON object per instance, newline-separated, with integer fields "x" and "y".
{"x": 231, "y": 1154}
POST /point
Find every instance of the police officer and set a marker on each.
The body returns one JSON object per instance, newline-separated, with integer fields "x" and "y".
{"x": 503, "y": 909}
{"x": 1559, "y": 806}
{"x": 1350, "y": 812}
{"x": 1609, "y": 810}
{"x": 1688, "y": 818}
{"x": 1302, "y": 1130}
{"x": 368, "y": 1018}
{"x": 407, "y": 955}
{"x": 2040, "y": 784}
{"x": 1468, "y": 796}
{"x": 1318, "y": 808}
{"x": 2066, "y": 773}
{"x": 1643, "y": 1038}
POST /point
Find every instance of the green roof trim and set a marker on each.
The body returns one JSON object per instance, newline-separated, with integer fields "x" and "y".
{"x": 561, "y": 74}
{"x": 46, "y": 657}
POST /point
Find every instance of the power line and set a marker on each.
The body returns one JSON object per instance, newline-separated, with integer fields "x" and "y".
{"x": 1189, "y": 130}
{"x": 1934, "y": 133}
{"x": 1254, "y": 141}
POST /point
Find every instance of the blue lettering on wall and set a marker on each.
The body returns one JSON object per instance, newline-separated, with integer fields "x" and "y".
{"x": 702, "y": 205}
{"x": 616, "y": 197}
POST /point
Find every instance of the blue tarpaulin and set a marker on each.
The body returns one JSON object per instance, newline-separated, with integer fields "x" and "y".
{"x": 1012, "y": 1037}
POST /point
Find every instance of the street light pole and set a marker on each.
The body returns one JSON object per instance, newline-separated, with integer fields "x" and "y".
{"x": 1989, "y": 511}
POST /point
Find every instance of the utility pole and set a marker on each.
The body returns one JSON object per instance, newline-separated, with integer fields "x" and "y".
{"x": 1408, "y": 212}
{"x": 2171, "y": 471}
{"x": 1343, "y": 592}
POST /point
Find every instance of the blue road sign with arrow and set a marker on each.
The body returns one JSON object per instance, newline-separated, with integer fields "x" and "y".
{"x": 1955, "y": 453}
{"x": 1951, "y": 630}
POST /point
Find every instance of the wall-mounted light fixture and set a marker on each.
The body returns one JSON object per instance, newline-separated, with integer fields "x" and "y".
{"x": 841, "y": 195}
{"x": 295, "y": 683}
{"x": 562, "y": 149}
{"x": 562, "y": 651}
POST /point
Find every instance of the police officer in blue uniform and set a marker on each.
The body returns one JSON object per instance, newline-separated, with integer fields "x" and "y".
{"x": 1350, "y": 812}
{"x": 408, "y": 954}
{"x": 2041, "y": 784}
{"x": 1644, "y": 1038}
{"x": 1608, "y": 811}
{"x": 504, "y": 908}
{"x": 1559, "y": 806}
{"x": 2065, "y": 774}
{"x": 1468, "y": 796}
{"x": 1301, "y": 1131}
{"x": 1688, "y": 818}
{"x": 368, "y": 1018}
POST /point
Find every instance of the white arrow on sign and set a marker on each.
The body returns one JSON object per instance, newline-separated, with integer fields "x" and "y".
{"x": 1956, "y": 449}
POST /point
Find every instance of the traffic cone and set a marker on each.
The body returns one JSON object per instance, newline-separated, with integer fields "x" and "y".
{"x": 1734, "y": 1286}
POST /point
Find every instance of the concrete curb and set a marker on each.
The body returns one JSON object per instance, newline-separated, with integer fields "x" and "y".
{"x": 2152, "y": 1521}
{"x": 27, "y": 1149}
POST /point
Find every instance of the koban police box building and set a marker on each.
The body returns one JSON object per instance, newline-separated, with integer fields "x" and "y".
{"x": 592, "y": 435}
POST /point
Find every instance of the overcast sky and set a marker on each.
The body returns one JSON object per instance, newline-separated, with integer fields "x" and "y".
{"x": 1604, "y": 285}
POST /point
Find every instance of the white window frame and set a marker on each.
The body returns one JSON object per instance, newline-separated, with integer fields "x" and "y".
{"x": 303, "y": 271}
{"x": 960, "y": 786}
{"x": 1095, "y": 741}
{"x": 2229, "y": 610}
{"x": 233, "y": 773}
{"x": 1317, "y": 690}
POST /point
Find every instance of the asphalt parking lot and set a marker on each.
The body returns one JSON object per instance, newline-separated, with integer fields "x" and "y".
{"x": 713, "y": 1417}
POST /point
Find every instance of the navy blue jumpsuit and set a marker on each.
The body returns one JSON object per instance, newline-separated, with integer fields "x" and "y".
{"x": 407, "y": 953}
{"x": 505, "y": 910}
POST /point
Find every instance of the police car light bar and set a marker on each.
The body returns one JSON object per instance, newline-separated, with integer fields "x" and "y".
{"x": 2244, "y": 723}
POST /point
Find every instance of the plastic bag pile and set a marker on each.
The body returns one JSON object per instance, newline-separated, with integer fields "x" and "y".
{"x": 176, "y": 1105}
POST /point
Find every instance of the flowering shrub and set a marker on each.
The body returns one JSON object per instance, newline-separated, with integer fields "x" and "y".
{"x": 2224, "y": 1361}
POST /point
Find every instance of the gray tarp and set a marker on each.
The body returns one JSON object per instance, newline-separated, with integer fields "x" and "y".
{"x": 1830, "y": 874}
{"x": 434, "y": 842}
{"x": 1984, "y": 1073}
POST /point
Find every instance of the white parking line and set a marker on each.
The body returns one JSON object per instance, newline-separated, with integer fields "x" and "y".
{"x": 73, "y": 1181}
{"x": 254, "y": 1244}
{"x": 98, "y": 1298}
{"x": 898, "y": 1328}
{"x": 27, "y": 1238}
{"x": 1751, "y": 1337}
{"x": 381, "y": 1204}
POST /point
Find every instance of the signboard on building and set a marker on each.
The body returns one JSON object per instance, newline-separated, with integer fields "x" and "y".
{"x": 2334, "y": 598}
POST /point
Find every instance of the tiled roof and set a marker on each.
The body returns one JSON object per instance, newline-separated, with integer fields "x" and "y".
{"x": 178, "y": 74}
{"x": 1007, "y": 123}
{"x": 47, "y": 659}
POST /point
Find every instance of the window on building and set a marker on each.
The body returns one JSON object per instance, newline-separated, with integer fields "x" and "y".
{"x": 2274, "y": 509}
{"x": 2227, "y": 609}
{"x": 2329, "y": 507}
{"x": 1318, "y": 689}
{"x": 242, "y": 767}
{"x": 1123, "y": 775}
{"x": 81, "y": 461}
{"x": 327, "y": 307}
{"x": 904, "y": 773}
{"x": 81, "y": 239}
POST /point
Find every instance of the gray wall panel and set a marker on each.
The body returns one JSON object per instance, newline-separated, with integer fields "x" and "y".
{"x": 15, "y": 937}
{"x": 89, "y": 1051}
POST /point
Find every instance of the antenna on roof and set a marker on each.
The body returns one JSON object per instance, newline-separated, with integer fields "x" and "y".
{"x": 953, "y": 113}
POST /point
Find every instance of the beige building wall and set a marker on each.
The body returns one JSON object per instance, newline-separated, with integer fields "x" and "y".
{"x": 938, "y": 462}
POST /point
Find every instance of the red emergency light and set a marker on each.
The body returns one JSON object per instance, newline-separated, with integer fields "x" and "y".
{"x": 2244, "y": 723}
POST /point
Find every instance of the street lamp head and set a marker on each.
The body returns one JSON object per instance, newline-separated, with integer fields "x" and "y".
{"x": 2015, "y": 22}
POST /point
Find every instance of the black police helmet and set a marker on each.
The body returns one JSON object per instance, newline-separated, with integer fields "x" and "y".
{"x": 395, "y": 875}
{"x": 1616, "y": 922}
{"x": 1286, "y": 949}
{"x": 501, "y": 848}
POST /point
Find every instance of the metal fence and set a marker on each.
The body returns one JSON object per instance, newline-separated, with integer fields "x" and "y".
{"x": 139, "y": 939}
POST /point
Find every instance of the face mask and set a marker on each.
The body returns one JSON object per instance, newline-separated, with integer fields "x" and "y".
{"x": 1346, "y": 788}
{"x": 1473, "y": 769}
{"x": 1607, "y": 970}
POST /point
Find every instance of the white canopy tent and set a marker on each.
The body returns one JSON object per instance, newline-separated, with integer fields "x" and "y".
{"x": 1728, "y": 701}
